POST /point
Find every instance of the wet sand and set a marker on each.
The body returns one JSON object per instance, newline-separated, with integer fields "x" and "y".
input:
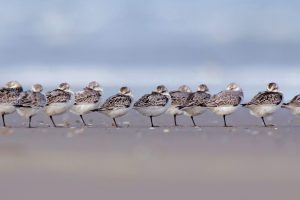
{"x": 246, "y": 161}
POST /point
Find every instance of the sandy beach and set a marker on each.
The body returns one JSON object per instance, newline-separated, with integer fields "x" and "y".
{"x": 246, "y": 161}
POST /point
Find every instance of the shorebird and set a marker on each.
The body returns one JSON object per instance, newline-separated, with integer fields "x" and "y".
{"x": 59, "y": 101}
{"x": 87, "y": 100}
{"x": 8, "y": 95}
{"x": 154, "y": 104}
{"x": 196, "y": 102}
{"x": 117, "y": 105}
{"x": 265, "y": 103}
{"x": 226, "y": 102}
{"x": 178, "y": 97}
{"x": 293, "y": 105}
{"x": 31, "y": 102}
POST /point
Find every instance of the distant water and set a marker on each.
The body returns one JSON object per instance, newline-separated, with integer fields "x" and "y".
{"x": 144, "y": 79}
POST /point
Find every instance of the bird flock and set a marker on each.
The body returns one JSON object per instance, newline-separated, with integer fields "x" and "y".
{"x": 180, "y": 102}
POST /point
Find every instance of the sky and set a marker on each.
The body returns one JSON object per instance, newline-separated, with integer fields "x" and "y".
{"x": 146, "y": 43}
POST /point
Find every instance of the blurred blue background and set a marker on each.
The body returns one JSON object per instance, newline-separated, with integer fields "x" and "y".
{"x": 145, "y": 43}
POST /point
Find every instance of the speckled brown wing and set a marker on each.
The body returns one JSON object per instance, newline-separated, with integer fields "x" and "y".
{"x": 295, "y": 101}
{"x": 58, "y": 96}
{"x": 87, "y": 96}
{"x": 197, "y": 99}
{"x": 153, "y": 99}
{"x": 116, "y": 102}
{"x": 8, "y": 95}
{"x": 266, "y": 98}
{"x": 179, "y": 98}
{"x": 31, "y": 99}
{"x": 224, "y": 98}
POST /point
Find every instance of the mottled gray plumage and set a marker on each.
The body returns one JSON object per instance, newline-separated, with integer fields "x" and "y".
{"x": 295, "y": 101}
{"x": 224, "y": 98}
{"x": 266, "y": 97}
{"x": 9, "y": 95}
{"x": 31, "y": 99}
{"x": 197, "y": 99}
{"x": 87, "y": 96}
{"x": 153, "y": 99}
{"x": 58, "y": 96}
{"x": 178, "y": 97}
{"x": 115, "y": 102}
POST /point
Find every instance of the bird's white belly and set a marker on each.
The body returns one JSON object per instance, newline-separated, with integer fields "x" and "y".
{"x": 152, "y": 110}
{"x": 82, "y": 109}
{"x": 295, "y": 110}
{"x": 7, "y": 108}
{"x": 173, "y": 110}
{"x": 194, "y": 110}
{"x": 116, "y": 112}
{"x": 58, "y": 108}
{"x": 27, "y": 112}
{"x": 223, "y": 110}
{"x": 262, "y": 110}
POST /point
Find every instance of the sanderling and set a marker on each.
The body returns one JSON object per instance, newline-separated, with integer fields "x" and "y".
{"x": 226, "y": 102}
{"x": 178, "y": 98}
{"x": 30, "y": 103}
{"x": 8, "y": 95}
{"x": 265, "y": 103}
{"x": 87, "y": 100}
{"x": 196, "y": 102}
{"x": 117, "y": 105}
{"x": 293, "y": 105}
{"x": 154, "y": 104}
{"x": 59, "y": 101}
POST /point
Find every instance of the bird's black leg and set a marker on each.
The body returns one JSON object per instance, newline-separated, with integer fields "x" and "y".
{"x": 224, "y": 118}
{"x": 175, "y": 120}
{"x": 3, "y": 120}
{"x": 52, "y": 121}
{"x": 83, "y": 120}
{"x": 264, "y": 121}
{"x": 152, "y": 122}
{"x": 193, "y": 121}
{"x": 115, "y": 122}
{"x": 29, "y": 125}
